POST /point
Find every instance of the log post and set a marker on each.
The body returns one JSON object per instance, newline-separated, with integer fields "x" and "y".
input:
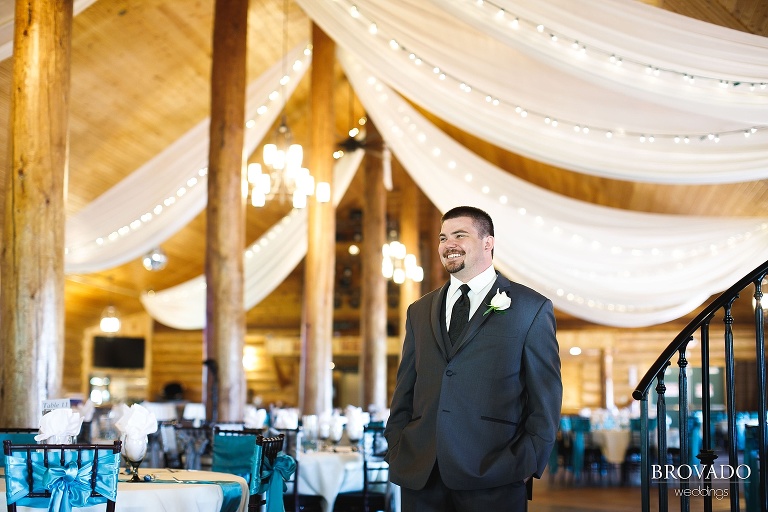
{"x": 373, "y": 321}
{"x": 32, "y": 271}
{"x": 436, "y": 275}
{"x": 225, "y": 213}
{"x": 410, "y": 290}
{"x": 316, "y": 389}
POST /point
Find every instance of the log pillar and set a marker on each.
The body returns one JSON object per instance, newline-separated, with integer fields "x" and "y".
{"x": 32, "y": 268}
{"x": 606, "y": 369}
{"x": 373, "y": 321}
{"x": 224, "y": 378}
{"x": 436, "y": 273}
{"x": 410, "y": 290}
{"x": 316, "y": 387}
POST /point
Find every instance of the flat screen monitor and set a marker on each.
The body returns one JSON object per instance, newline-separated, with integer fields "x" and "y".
{"x": 118, "y": 352}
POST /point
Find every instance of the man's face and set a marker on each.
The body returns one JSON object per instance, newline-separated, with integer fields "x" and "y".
{"x": 462, "y": 250}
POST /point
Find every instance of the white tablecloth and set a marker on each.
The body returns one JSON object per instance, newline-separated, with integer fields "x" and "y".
{"x": 327, "y": 474}
{"x": 613, "y": 443}
{"x": 166, "y": 497}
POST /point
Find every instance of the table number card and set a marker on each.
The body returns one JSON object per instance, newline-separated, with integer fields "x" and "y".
{"x": 56, "y": 403}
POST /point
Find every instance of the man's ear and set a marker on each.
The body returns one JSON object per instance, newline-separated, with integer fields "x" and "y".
{"x": 489, "y": 243}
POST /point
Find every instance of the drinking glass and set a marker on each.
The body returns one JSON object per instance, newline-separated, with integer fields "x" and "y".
{"x": 337, "y": 430}
{"x": 309, "y": 425}
{"x": 134, "y": 450}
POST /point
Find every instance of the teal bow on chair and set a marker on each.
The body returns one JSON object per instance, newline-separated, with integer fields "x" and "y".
{"x": 69, "y": 484}
{"x": 273, "y": 478}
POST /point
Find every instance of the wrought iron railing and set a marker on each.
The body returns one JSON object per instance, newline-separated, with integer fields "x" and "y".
{"x": 698, "y": 475}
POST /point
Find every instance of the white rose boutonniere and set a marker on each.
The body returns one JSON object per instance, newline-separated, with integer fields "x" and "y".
{"x": 499, "y": 303}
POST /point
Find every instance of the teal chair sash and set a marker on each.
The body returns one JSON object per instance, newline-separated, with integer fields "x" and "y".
{"x": 68, "y": 482}
{"x": 241, "y": 455}
{"x": 273, "y": 480}
{"x": 236, "y": 455}
{"x": 15, "y": 438}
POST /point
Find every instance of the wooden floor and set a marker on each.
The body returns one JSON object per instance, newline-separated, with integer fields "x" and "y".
{"x": 557, "y": 496}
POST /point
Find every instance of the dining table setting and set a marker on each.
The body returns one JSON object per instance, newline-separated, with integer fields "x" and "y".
{"x": 171, "y": 490}
{"x": 139, "y": 488}
{"x": 328, "y": 448}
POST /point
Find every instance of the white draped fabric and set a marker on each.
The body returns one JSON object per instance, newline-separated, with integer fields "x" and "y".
{"x": 166, "y": 193}
{"x": 268, "y": 261}
{"x": 609, "y": 266}
{"x": 611, "y": 88}
{"x": 525, "y": 92}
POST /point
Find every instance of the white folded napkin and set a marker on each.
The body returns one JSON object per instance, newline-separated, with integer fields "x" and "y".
{"x": 194, "y": 411}
{"x": 58, "y": 424}
{"x": 137, "y": 421}
{"x": 117, "y": 412}
{"x": 254, "y": 418}
{"x": 356, "y": 421}
{"x": 86, "y": 410}
{"x": 381, "y": 415}
{"x": 286, "y": 418}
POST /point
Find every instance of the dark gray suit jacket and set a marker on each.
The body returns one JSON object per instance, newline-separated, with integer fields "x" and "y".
{"x": 488, "y": 409}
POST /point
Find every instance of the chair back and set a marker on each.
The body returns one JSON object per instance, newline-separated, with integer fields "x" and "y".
{"x": 61, "y": 476}
{"x": 375, "y": 468}
{"x": 275, "y": 469}
{"x": 192, "y": 442}
{"x": 234, "y": 452}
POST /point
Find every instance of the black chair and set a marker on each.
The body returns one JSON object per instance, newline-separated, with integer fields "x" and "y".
{"x": 194, "y": 445}
{"x": 31, "y": 466}
{"x": 293, "y": 500}
{"x": 243, "y": 453}
{"x": 163, "y": 449}
{"x": 376, "y": 494}
{"x": 269, "y": 449}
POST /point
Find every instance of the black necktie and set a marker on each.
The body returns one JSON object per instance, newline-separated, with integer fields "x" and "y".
{"x": 459, "y": 315}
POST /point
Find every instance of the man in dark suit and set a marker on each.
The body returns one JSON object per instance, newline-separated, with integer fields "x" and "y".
{"x": 475, "y": 410}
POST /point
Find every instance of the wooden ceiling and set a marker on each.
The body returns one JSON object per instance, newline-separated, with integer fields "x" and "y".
{"x": 140, "y": 79}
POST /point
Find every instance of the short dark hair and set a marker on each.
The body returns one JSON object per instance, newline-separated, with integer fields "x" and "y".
{"x": 482, "y": 221}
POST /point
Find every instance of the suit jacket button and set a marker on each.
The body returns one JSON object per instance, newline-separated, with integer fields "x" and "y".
{"x": 449, "y": 373}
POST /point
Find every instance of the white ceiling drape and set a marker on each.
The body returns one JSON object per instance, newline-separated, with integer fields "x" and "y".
{"x": 554, "y": 95}
{"x": 166, "y": 193}
{"x": 464, "y": 64}
{"x": 608, "y": 266}
{"x": 268, "y": 261}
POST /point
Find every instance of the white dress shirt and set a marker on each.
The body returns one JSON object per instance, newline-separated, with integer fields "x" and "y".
{"x": 479, "y": 286}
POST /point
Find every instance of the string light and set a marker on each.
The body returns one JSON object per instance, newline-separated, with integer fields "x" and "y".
{"x": 198, "y": 178}
{"x": 581, "y": 49}
{"x": 651, "y": 68}
{"x": 445, "y": 159}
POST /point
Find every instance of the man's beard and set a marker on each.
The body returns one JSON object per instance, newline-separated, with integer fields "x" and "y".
{"x": 455, "y": 268}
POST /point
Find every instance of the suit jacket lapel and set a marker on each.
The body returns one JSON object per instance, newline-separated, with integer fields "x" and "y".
{"x": 478, "y": 319}
{"x": 439, "y": 331}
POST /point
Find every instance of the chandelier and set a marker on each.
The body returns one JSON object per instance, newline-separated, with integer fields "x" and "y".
{"x": 110, "y": 322}
{"x": 398, "y": 265}
{"x": 282, "y": 174}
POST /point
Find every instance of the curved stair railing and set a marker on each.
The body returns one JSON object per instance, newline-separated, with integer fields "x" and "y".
{"x": 706, "y": 478}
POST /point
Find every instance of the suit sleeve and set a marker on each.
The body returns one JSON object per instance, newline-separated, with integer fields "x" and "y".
{"x": 541, "y": 361}
{"x": 401, "y": 409}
